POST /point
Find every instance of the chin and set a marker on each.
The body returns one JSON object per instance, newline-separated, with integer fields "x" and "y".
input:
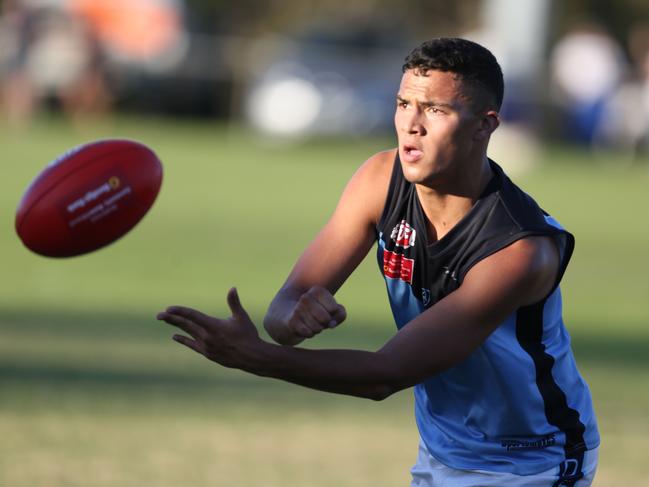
{"x": 418, "y": 172}
{"x": 415, "y": 176}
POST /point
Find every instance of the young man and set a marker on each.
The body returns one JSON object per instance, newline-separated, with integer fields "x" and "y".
{"x": 472, "y": 267}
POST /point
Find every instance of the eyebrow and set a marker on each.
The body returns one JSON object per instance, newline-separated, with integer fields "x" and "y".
{"x": 426, "y": 104}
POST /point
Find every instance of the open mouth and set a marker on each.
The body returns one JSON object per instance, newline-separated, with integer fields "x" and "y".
{"x": 412, "y": 153}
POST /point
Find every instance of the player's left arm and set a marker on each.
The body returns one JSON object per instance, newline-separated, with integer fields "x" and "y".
{"x": 521, "y": 274}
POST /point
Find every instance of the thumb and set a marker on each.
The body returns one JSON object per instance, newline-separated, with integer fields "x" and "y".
{"x": 340, "y": 314}
{"x": 235, "y": 304}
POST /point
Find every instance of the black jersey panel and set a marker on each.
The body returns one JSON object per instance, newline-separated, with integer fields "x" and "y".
{"x": 502, "y": 215}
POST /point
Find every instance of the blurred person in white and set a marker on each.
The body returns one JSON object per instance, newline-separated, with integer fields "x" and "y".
{"x": 639, "y": 47}
{"x": 625, "y": 124}
{"x": 586, "y": 67}
{"x": 49, "y": 55}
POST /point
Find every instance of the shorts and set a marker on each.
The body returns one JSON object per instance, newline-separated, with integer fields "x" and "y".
{"x": 428, "y": 472}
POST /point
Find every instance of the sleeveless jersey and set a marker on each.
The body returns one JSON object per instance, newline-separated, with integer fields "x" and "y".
{"x": 518, "y": 403}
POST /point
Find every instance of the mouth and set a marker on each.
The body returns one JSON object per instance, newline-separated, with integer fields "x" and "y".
{"x": 411, "y": 153}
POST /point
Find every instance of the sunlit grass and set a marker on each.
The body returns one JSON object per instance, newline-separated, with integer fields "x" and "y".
{"x": 94, "y": 393}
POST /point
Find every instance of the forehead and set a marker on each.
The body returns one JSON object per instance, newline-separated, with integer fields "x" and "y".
{"x": 434, "y": 85}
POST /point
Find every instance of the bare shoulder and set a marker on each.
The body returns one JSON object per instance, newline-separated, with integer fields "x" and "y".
{"x": 370, "y": 182}
{"x": 378, "y": 168}
{"x": 534, "y": 254}
{"x": 527, "y": 269}
{"x": 382, "y": 161}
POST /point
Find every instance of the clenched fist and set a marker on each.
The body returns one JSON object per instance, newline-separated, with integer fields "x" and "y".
{"x": 289, "y": 321}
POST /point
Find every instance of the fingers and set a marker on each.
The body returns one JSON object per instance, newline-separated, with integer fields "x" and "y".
{"x": 335, "y": 313}
{"x": 200, "y": 326}
{"x": 339, "y": 315}
{"x": 190, "y": 314}
{"x": 173, "y": 318}
{"x": 315, "y": 311}
{"x": 194, "y": 330}
{"x": 189, "y": 343}
{"x": 305, "y": 325}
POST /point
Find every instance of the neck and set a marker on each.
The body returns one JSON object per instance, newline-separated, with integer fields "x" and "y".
{"x": 446, "y": 206}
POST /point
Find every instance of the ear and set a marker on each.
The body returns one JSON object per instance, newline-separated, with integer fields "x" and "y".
{"x": 488, "y": 123}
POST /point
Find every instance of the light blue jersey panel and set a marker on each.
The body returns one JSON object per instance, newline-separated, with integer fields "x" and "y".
{"x": 487, "y": 413}
{"x": 405, "y": 306}
{"x": 565, "y": 372}
{"x": 517, "y": 404}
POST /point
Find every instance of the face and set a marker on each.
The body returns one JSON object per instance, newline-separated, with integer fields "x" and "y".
{"x": 441, "y": 132}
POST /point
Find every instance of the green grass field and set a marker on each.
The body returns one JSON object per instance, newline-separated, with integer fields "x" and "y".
{"x": 94, "y": 393}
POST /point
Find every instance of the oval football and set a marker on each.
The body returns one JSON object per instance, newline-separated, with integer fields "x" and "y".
{"x": 88, "y": 198}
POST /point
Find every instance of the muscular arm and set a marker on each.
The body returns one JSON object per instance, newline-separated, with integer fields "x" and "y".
{"x": 443, "y": 336}
{"x": 305, "y": 305}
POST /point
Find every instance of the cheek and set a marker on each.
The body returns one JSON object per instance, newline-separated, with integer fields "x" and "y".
{"x": 448, "y": 133}
{"x": 441, "y": 135}
{"x": 398, "y": 121}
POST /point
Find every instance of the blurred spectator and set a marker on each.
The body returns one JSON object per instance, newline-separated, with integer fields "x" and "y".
{"x": 639, "y": 49}
{"x": 49, "y": 55}
{"x": 16, "y": 99}
{"x": 80, "y": 54}
{"x": 586, "y": 67}
{"x": 626, "y": 123}
{"x": 149, "y": 33}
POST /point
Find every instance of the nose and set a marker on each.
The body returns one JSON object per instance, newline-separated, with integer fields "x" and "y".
{"x": 411, "y": 122}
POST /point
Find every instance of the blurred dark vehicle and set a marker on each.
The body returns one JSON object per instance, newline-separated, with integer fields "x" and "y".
{"x": 324, "y": 82}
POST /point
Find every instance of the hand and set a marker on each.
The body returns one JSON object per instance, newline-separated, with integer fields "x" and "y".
{"x": 225, "y": 341}
{"x": 315, "y": 310}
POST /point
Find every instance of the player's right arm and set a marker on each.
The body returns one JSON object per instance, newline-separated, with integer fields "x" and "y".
{"x": 305, "y": 304}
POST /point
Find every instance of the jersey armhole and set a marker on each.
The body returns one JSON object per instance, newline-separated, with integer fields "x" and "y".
{"x": 565, "y": 245}
{"x": 394, "y": 180}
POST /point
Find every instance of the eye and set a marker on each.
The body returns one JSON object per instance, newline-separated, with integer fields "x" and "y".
{"x": 434, "y": 110}
{"x": 402, "y": 104}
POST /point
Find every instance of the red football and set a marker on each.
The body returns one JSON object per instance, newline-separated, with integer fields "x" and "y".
{"x": 88, "y": 198}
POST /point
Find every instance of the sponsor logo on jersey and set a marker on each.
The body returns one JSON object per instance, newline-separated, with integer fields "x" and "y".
{"x": 397, "y": 266}
{"x": 533, "y": 444}
{"x": 404, "y": 235}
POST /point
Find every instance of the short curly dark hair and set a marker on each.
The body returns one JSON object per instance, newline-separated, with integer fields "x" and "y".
{"x": 470, "y": 61}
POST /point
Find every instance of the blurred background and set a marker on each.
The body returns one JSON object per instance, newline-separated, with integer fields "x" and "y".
{"x": 575, "y": 71}
{"x": 260, "y": 112}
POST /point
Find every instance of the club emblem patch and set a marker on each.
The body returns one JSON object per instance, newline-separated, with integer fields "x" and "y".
{"x": 404, "y": 235}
